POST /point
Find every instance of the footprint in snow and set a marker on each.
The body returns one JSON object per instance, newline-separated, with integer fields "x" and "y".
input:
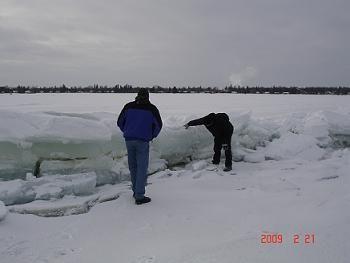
{"x": 145, "y": 259}
{"x": 325, "y": 178}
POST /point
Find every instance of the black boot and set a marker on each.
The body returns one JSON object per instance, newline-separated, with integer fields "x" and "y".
{"x": 227, "y": 168}
{"x": 215, "y": 162}
{"x": 144, "y": 200}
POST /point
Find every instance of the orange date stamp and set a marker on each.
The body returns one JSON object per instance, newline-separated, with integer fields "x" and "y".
{"x": 279, "y": 238}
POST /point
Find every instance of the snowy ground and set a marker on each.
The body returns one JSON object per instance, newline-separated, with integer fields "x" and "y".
{"x": 291, "y": 177}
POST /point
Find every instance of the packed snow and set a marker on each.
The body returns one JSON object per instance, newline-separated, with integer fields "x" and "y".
{"x": 62, "y": 155}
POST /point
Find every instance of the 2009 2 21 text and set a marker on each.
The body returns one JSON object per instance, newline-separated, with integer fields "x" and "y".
{"x": 279, "y": 238}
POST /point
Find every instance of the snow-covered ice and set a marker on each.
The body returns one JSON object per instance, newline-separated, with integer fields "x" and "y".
{"x": 48, "y": 187}
{"x": 290, "y": 176}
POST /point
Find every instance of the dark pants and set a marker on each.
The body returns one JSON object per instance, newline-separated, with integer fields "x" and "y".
{"x": 218, "y": 142}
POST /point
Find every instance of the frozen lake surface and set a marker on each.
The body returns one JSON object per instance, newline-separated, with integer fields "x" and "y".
{"x": 175, "y": 104}
{"x": 290, "y": 177}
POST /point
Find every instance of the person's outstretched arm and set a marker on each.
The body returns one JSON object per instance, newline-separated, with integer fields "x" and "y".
{"x": 201, "y": 121}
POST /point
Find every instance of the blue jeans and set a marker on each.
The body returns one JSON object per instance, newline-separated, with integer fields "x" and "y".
{"x": 138, "y": 156}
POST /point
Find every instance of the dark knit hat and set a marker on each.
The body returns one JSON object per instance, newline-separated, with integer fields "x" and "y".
{"x": 143, "y": 94}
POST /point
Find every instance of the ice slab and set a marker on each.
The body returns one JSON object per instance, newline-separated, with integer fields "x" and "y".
{"x": 3, "y": 211}
{"x": 69, "y": 205}
{"x": 292, "y": 145}
{"x": 48, "y": 187}
{"x": 71, "y": 143}
{"x": 64, "y": 207}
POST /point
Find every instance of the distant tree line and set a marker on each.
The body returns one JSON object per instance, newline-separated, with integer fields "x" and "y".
{"x": 158, "y": 89}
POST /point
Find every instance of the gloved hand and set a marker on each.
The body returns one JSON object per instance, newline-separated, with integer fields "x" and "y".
{"x": 186, "y": 126}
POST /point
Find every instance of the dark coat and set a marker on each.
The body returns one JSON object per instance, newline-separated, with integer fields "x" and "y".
{"x": 218, "y": 124}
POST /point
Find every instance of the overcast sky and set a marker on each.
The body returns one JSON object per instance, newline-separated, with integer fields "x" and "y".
{"x": 175, "y": 42}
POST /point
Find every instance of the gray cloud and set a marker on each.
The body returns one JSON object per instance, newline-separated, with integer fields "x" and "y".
{"x": 185, "y": 42}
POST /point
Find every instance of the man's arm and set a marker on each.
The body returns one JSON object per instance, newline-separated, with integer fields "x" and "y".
{"x": 121, "y": 120}
{"x": 201, "y": 121}
{"x": 157, "y": 123}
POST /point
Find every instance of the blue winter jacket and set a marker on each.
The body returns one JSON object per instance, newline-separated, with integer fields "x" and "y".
{"x": 140, "y": 121}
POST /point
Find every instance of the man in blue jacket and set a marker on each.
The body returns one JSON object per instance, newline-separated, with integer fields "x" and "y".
{"x": 140, "y": 123}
